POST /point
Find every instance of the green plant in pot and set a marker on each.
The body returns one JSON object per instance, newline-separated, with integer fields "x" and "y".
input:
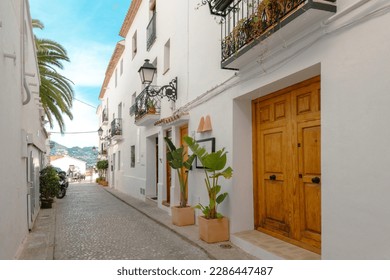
{"x": 151, "y": 106}
{"x": 178, "y": 159}
{"x": 213, "y": 226}
{"x": 49, "y": 186}
{"x": 102, "y": 166}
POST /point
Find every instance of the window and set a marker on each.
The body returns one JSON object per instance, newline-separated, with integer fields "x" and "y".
{"x": 151, "y": 28}
{"x": 167, "y": 56}
{"x": 134, "y": 49}
{"x": 132, "y": 156}
{"x": 119, "y": 160}
{"x": 116, "y": 77}
{"x": 120, "y": 110}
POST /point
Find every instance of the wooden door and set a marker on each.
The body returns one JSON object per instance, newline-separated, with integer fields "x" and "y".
{"x": 306, "y": 119}
{"x": 272, "y": 115}
{"x": 168, "y": 175}
{"x": 157, "y": 164}
{"x": 287, "y": 164}
{"x": 184, "y": 132}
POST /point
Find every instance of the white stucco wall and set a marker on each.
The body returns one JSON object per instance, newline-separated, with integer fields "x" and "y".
{"x": 352, "y": 61}
{"x": 23, "y": 138}
{"x": 65, "y": 161}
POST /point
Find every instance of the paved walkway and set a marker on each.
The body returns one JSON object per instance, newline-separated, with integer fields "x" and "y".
{"x": 93, "y": 222}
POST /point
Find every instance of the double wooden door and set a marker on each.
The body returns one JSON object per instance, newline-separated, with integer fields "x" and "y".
{"x": 287, "y": 164}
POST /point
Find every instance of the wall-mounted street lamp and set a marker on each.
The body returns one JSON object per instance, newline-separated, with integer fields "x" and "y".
{"x": 146, "y": 73}
{"x": 220, "y": 7}
{"x": 100, "y": 132}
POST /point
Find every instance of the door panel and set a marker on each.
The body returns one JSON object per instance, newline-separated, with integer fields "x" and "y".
{"x": 168, "y": 171}
{"x": 272, "y": 145}
{"x": 184, "y": 132}
{"x": 309, "y": 155}
{"x": 274, "y": 193}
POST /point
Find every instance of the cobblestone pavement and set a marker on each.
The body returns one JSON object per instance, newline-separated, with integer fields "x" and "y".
{"x": 92, "y": 224}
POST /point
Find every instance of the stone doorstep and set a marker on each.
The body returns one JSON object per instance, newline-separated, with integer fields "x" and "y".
{"x": 267, "y": 247}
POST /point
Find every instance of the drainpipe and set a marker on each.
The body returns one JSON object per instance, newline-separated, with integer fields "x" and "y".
{"x": 345, "y": 11}
{"x": 25, "y": 102}
{"x": 24, "y": 84}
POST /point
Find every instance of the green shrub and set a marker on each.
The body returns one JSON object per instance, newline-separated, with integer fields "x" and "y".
{"x": 49, "y": 183}
{"x": 102, "y": 166}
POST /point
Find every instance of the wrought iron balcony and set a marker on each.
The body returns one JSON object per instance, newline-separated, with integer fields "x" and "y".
{"x": 246, "y": 24}
{"x": 146, "y": 108}
{"x": 116, "y": 127}
{"x": 151, "y": 32}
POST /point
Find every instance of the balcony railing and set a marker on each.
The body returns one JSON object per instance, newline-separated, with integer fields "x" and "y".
{"x": 251, "y": 21}
{"x": 116, "y": 127}
{"x": 145, "y": 105}
{"x": 151, "y": 32}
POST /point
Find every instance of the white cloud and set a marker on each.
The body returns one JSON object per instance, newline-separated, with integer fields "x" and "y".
{"x": 84, "y": 120}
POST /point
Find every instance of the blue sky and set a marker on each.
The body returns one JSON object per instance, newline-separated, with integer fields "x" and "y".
{"x": 88, "y": 29}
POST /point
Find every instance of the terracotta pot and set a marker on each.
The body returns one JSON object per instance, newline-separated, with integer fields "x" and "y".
{"x": 213, "y": 230}
{"x": 183, "y": 216}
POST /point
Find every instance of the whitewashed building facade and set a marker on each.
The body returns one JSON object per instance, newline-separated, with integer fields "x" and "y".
{"x": 24, "y": 137}
{"x": 297, "y": 93}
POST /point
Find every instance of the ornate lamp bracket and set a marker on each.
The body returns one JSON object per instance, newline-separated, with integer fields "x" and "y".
{"x": 169, "y": 90}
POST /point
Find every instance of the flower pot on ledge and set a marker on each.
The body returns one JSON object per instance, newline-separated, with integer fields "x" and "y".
{"x": 183, "y": 216}
{"x": 213, "y": 230}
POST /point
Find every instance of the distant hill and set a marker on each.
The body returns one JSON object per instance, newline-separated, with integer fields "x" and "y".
{"x": 86, "y": 154}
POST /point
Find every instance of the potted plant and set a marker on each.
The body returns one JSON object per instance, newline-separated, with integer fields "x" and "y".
{"x": 213, "y": 226}
{"x": 49, "y": 186}
{"x": 102, "y": 166}
{"x": 183, "y": 214}
{"x": 151, "y": 106}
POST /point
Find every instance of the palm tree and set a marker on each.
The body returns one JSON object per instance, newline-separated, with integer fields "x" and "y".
{"x": 56, "y": 91}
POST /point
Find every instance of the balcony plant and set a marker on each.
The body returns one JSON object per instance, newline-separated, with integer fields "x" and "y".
{"x": 213, "y": 226}
{"x": 49, "y": 186}
{"x": 178, "y": 159}
{"x": 151, "y": 106}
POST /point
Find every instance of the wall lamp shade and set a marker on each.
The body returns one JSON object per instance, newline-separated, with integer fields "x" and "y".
{"x": 146, "y": 72}
{"x": 205, "y": 124}
{"x": 100, "y": 132}
{"x": 201, "y": 124}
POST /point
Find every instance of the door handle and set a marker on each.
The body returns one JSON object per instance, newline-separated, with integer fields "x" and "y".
{"x": 272, "y": 177}
{"x": 316, "y": 180}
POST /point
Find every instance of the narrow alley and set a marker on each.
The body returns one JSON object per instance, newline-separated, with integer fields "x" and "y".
{"x": 96, "y": 223}
{"x": 93, "y": 224}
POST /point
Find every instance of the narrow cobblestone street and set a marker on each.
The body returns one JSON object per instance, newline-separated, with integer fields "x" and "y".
{"x": 93, "y": 224}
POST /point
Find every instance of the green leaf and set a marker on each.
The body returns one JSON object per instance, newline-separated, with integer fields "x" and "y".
{"x": 215, "y": 161}
{"x": 199, "y": 151}
{"x": 170, "y": 145}
{"x": 221, "y": 197}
